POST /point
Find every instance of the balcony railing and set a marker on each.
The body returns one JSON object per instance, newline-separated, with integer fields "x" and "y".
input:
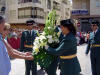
{"x": 36, "y": 1}
{"x": 56, "y": 8}
{"x": 64, "y": 1}
{"x": 28, "y": 1}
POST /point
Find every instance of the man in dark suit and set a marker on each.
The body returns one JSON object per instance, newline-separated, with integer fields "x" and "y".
{"x": 27, "y": 40}
{"x": 94, "y": 47}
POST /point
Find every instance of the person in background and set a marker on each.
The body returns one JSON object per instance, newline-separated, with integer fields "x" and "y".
{"x": 41, "y": 28}
{"x": 5, "y": 49}
{"x": 35, "y": 27}
{"x": 27, "y": 40}
{"x": 88, "y": 36}
{"x": 78, "y": 39}
{"x": 7, "y": 26}
{"x": 94, "y": 47}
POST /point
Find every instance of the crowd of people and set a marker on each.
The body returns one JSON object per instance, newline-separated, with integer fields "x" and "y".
{"x": 14, "y": 38}
{"x": 82, "y": 37}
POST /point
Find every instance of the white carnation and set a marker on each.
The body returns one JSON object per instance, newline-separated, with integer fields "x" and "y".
{"x": 42, "y": 37}
{"x": 37, "y": 38}
{"x": 50, "y": 40}
{"x": 36, "y": 49}
{"x": 56, "y": 40}
{"x": 36, "y": 42}
{"x": 49, "y": 27}
{"x": 49, "y": 36}
{"x": 43, "y": 33}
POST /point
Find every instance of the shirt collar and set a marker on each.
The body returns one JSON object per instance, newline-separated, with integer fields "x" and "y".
{"x": 68, "y": 34}
{"x": 96, "y": 30}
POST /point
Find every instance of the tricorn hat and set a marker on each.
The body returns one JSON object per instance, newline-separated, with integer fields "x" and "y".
{"x": 30, "y": 22}
{"x": 66, "y": 22}
{"x": 95, "y": 22}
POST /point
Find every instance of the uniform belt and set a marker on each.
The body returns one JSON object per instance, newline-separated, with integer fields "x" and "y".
{"x": 68, "y": 57}
{"x": 95, "y": 45}
{"x": 28, "y": 46}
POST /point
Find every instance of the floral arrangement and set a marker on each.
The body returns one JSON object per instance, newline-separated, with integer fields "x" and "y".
{"x": 47, "y": 38}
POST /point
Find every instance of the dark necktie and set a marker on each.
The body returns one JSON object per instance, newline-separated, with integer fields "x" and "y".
{"x": 94, "y": 33}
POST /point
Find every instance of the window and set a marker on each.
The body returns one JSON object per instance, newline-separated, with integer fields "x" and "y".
{"x": 38, "y": 13}
{"x": 13, "y": 14}
{"x": 49, "y": 4}
{"x": 11, "y": 2}
{"x": 56, "y": 6}
{"x": 97, "y": 3}
{"x": 31, "y": 13}
{"x": 20, "y": 14}
{"x": 83, "y": 5}
{"x": 24, "y": 1}
{"x": 24, "y": 12}
{"x": 36, "y": 1}
{"x": 27, "y": 13}
{"x": 64, "y": 1}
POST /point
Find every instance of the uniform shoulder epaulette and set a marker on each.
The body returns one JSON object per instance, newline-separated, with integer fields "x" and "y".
{"x": 24, "y": 32}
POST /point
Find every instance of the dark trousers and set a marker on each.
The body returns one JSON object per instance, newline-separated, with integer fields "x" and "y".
{"x": 95, "y": 64}
{"x": 52, "y": 68}
{"x": 30, "y": 66}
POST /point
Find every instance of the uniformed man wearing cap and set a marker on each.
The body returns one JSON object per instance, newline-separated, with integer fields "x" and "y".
{"x": 94, "y": 47}
{"x": 27, "y": 40}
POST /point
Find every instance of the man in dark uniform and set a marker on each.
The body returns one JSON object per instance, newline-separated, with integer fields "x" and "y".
{"x": 94, "y": 47}
{"x": 27, "y": 40}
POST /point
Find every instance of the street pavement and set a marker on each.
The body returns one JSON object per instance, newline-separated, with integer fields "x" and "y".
{"x": 84, "y": 60}
{"x": 18, "y": 66}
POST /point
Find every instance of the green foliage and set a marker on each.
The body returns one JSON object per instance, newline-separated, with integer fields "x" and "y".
{"x": 50, "y": 23}
{"x": 42, "y": 57}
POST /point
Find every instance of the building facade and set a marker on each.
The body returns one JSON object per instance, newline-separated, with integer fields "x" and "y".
{"x": 95, "y": 8}
{"x": 2, "y": 7}
{"x": 81, "y": 13}
{"x": 65, "y": 7}
{"x": 84, "y": 11}
{"x": 19, "y": 11}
